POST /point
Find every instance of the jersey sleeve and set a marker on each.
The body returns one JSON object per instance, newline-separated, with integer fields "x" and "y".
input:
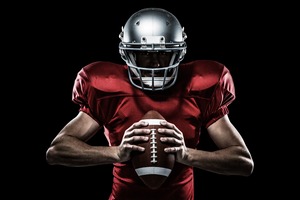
{"x": 82, "y": 93}
{"x": 223, "y": 96}
{"x": 80, "y": 90}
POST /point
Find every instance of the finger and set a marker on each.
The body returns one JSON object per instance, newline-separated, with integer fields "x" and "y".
{"x": 135, "y": 132}
{"x": 171, "y": 140}
{"x": 130, "y": 147}
{"x": 169, "y": 125}
{"x": 171, "y": 133}
{"x": 172, "y": 149}
{"x": 141, "y": 123}
{"x": 133, "y": 139}
{"x": 138, "y": 124}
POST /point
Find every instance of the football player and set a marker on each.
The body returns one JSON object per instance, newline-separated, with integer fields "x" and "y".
{"x": 190, "y": 96}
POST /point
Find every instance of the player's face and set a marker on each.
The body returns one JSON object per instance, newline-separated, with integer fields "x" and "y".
{"x": 153, "y": 59}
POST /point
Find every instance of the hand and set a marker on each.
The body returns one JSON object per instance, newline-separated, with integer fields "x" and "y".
{"x": 175, "y": 138}
{"x": 134, "y": 134}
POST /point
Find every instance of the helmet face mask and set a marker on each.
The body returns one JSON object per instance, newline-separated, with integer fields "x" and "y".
{"x": 152, "y": 78}
{"x": 152, "y": 31}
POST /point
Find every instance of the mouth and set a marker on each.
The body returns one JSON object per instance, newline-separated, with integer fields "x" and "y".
{"x": 153, "y": 73}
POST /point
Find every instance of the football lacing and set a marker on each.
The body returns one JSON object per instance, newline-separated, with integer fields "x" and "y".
{"x": 153, "y": 146}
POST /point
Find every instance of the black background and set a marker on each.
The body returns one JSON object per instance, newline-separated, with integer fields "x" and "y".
{"x": 51, "y": 42}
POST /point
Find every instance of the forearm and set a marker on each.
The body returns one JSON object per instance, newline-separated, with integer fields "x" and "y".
{"x": 233, "y": 160}
{"x": 75, "y": 153}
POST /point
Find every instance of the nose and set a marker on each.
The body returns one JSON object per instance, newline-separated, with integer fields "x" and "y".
{"x": 155, "y": 61}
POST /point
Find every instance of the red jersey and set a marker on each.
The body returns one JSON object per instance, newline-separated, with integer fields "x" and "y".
{"x": 200, "y": 96}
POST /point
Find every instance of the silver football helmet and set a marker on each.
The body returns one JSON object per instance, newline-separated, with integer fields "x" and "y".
{"x": 152, "y": 30}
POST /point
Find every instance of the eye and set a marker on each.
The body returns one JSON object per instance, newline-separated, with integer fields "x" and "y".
{"x": 144, "y": 53}
{"x": 164, "y": 53}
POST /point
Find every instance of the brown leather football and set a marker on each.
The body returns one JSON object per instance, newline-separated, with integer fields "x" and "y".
{"x": 153, "y": 166}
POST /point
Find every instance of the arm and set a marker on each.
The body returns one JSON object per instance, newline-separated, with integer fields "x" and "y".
{"x": 232, "y": 158}
{"x": 69, "y": 147}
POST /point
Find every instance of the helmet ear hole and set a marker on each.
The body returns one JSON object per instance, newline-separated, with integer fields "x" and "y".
{"x": 182, "y": 54}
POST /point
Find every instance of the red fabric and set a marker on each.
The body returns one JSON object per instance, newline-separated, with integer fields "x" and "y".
{"x": 201, "y": 95}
